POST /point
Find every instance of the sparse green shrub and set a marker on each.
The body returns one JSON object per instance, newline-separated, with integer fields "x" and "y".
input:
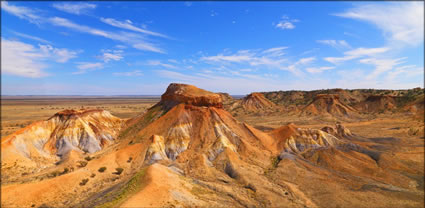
{"x": 119, "y": 171}
{"x": 88, "y": 158}
{"x": 93, "y": 175}
{"x": 84, "y": 181}
{"x": 102, "y": 169}
{"x": 275, "y": 161}
{"x": 65, "y": 171}
{"x": 54, "y": 174}
{"x": 82, "y": 164}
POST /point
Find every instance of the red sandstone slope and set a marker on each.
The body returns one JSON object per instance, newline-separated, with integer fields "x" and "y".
{"x": 256, "y": 101}
{"x": 328, "y": 104}
{"x": 377, "y": 103}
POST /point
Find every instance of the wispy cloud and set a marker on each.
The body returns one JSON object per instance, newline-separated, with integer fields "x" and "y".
{"x": 25, "y": 60}
{"x": 408, "y": 70}
{"x": 31, "y": 37}
{"x": 129, "y": 74}
{"x": 108, "y": 55}
{"x": 60, "y": 55}
{"x": 356, "y": 53}
{"x": 316, "y": 70}
{"x": 381, "y": 65}
{"x": 269, "y": 57}
{"x": 132, "y": 39}
{"x": 128, "y": 25}
{"x": 21, "y": 59}
{"x": 159, "y": 63}
{"x": 400, "y": 21}
{"x": 338, "y": 44}
{"x": 286, "y": 23}
{"x": 21, "y": 12}
{"x": 75, "y": 8}
{"x": 273, "y": 58}
{"x": 88, "y": 66}
{"x": 295, "y": 67}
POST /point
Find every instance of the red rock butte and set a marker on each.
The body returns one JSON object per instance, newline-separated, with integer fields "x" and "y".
{"x": 191, "y": 95}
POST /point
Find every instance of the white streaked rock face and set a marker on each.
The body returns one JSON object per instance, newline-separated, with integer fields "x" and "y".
{"x": 83, "y": 130}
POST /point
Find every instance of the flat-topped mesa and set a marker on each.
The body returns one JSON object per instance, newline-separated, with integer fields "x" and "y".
{"x": 189, "y": 94}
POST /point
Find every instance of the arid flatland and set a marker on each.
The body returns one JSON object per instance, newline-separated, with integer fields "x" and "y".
{"x": 19, "y": 111}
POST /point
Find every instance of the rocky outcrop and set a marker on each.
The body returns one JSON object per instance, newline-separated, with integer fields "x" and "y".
{"x": 339, "y": 131}
{"x": 327, "y": 104}
{"x": 191, "y": 95}
{"x": 291, "y": 139}
{"x": 81, "y": 130}
{"x": 378, "y": 104}
{"x": 256, "y": 101}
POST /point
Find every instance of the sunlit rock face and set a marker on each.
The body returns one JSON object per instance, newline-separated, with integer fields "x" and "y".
{"x": 256, "y": 101}
{"x": 338, "y": 131}
{"x": 81, "y": 130}
{"x": 179, "y": 130}
{"x": 328, "y": 104}
{"x": 291, "y": 139}
{"x": 189, "y": 94}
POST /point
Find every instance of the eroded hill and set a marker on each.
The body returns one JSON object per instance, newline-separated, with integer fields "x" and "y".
{"x": 187, "y": 150}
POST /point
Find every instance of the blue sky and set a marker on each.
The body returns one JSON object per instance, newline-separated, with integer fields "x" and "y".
{"x": 138, "y": 48}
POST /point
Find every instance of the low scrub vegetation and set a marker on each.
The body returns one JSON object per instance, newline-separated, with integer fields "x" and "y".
{"x": 102, "y": 169}
{"x": 84, "y": 181}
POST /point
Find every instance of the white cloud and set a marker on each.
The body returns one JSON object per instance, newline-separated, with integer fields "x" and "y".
{"x": 273, "y": 58}
{"x": 159, "y": 63}
{"x": 108, "y": 55}
{"x": 60, "y": 55}
{"x": 338, "y": 60}
{"x": 381, "y": 65}
{"x": 144, "y": 46}
{"x": 129, "y": 74}
{"x": 400, "y": 21}
{"x": 31, "y": 37}
{"x": 129, "y": 26}
{"x": 21, "y": 12}
{"x": 315, "y": 70}
{"x": 121, "y": 46}
{"x": 21, "y": 59}
{"x": 295, "y": 67}
{"x": 338, "y": 44}
{"x": 286, "y": 23}
{"x": 356, "y": 53}
{"x": 132, "y": 39}
{"x": 88, "y": 66}
{"x": 408, "y": 70}
{"x": 74, "y": 8}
